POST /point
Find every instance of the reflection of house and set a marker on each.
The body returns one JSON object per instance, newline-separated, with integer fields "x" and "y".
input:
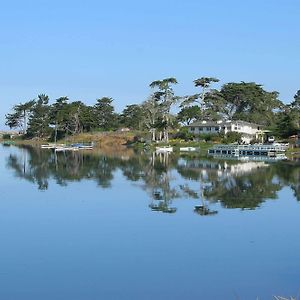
{"x": 248, "y": 130}
{"x": 221, "y": 169}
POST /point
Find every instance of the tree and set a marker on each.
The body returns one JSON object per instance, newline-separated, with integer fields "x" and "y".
{"x": 204, "y": 83}
{"x": 152, "y": 114}
{"x": 105, "y": 116}
{"x": 200, "y": 99}
{"x": 295, "y": 110}
{"x": 18, "y": 119}
{"x": 189, "y": 114}
{"x": 167, "y": 99}
{"x": 248, "y": 101}
{"x": 132, "y": 116}
{"x": 39, "y": 120}
{"x": 58, "y": 117}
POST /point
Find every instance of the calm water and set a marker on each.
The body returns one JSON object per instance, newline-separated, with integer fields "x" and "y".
{"x": 124, "y": 226}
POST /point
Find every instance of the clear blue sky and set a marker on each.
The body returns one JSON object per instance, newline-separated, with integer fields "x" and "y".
{"x": 89, "y": 49}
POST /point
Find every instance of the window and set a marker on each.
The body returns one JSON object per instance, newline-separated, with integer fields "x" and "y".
{"x": 200, "y": 128}
{"x": 192, "y": 128}
{"x": 216, "y": 128}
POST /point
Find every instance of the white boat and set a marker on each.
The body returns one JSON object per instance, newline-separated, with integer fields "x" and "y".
{"x": 188, "y": 149}
{"x": 164, "y": 149}
{"x": 52, "y": 146}
{"x": 62, "y": 149}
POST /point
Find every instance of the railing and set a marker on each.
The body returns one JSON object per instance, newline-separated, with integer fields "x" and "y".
{"x": 277, "y": 147}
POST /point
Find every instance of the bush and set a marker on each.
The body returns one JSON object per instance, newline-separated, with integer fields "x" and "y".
{"x": 232, "y": 137}
{"x": 6, "y": 136}
{"x": 184, "y": 134}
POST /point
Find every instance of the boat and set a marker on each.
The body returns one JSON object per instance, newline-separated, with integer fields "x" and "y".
{"x": 164, "y": 149}
{"x": 250, "y": 152}
{"x": 81, "y": 146}
{"x": 8, "y": 143}
{"x": 188, "y": 149}
{"x": 52, "y": 146}
{"x": 65, "y": 148}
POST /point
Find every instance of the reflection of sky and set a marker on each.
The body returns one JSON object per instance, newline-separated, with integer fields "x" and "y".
{"x": 84, "y": 242}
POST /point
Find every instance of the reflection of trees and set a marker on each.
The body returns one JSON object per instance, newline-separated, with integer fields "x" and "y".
{"x": 246, "y": 191}
{"x": 233, "y": 184}
{"x": 33, "y": 168}
{"x": 289, "y": 174}
{"x": 38, "y": 165}
{"x": 157, "y": 178}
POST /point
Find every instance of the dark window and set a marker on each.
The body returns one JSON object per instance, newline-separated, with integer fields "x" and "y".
{"x": 216, "y": 128}
{"x": 192, "y": 128}
{"x": 200, "y": 129}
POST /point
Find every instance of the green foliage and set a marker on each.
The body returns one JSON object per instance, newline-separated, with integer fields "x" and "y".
{"x": 249, "y": 102}
{"x": 246, "y": 101}
{"x": 106, "y": 118}
{"x": 232, "y": 137}
{"x": 6, "y": 136}
{"x": 189, "y": 114}
{"x": 39, "y": 120}
{"x": 184, "y": 134}
{"x": 132, "y": 117}
{"x": 164, "y": 99}
{"x": 286, "y": 124}
{"x": 21, "y": 112}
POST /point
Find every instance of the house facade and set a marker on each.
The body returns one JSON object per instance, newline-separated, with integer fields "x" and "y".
{"x": 248, "y": 130}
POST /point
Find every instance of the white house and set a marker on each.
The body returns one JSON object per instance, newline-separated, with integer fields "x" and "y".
{"x": 248, "y": 130}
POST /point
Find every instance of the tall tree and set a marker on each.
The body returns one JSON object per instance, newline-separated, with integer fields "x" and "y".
{"x": 152, "y": 114}
{"x": 295, "y": 110}
{"x": 132, "y": 116}
{"x": 167, "y": 99}
{"x": 105, "y": 115}
{"x": 59, "y": 116}
{"x": 19, "y": 117}
{"x": 204, "y": 83}
{"x": 248, "y": 101}
{"x": 39, "y": 120}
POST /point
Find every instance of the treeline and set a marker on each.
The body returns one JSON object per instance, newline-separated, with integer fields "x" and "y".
{"x": 246, "y": 101}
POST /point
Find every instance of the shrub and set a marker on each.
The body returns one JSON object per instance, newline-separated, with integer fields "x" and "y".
{"x": 232, "y": 137}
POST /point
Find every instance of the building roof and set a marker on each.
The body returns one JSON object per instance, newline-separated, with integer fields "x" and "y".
{"x": 221, "y": 123}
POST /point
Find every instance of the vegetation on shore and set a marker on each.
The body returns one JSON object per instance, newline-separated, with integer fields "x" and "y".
{"x": 152, "y": 120}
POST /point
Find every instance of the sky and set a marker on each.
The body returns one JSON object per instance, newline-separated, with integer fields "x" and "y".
{"x": 90, "y": 49}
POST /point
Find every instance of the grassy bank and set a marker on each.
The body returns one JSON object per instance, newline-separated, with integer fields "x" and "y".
{"x": 118, "y": 140}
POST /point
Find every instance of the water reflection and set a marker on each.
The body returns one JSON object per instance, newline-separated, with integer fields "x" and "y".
{"x": 164, "y": 177}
